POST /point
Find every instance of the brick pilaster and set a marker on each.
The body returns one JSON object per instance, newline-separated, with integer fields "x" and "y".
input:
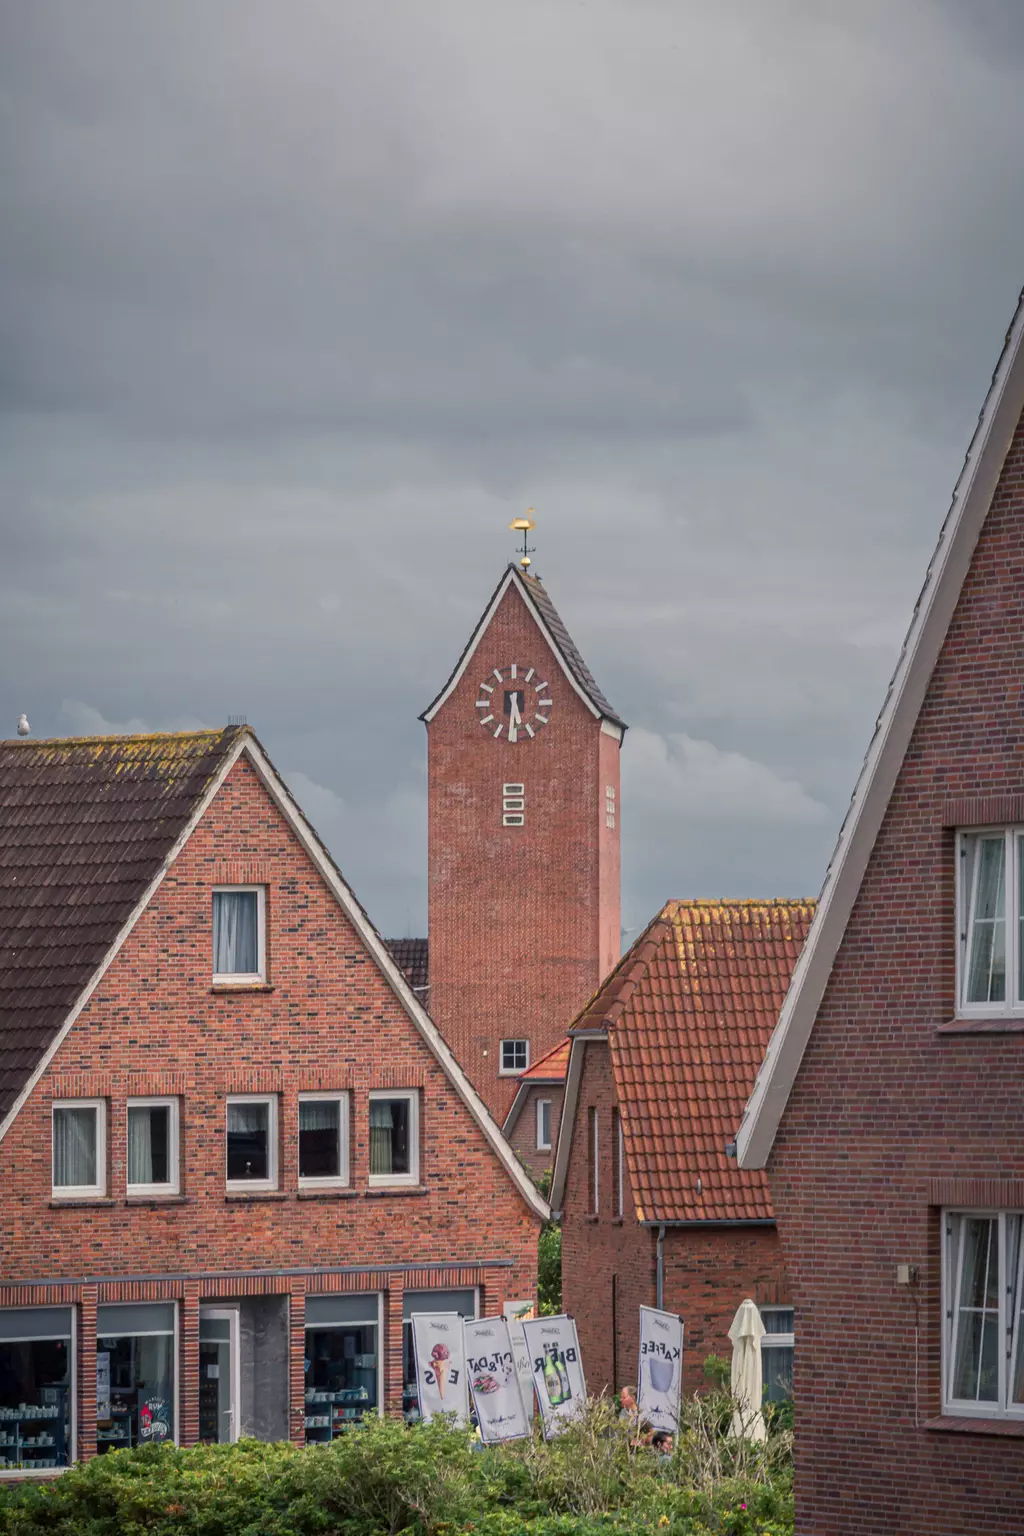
{"x": 391, "y": 1344}
{"x": 297, "y": 1363}
{"x": 87, "y": 1372}
{"x": 188, "y": 1365}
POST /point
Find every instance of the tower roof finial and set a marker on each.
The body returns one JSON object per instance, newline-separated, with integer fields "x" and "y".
{"x": 523, "y": 525}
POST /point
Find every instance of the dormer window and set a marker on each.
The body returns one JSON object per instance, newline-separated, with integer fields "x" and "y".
{"x": 239, "y": 933}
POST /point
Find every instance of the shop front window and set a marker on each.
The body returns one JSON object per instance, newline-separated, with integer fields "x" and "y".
{"x": 36, "y": 1357}
{"x": 463, "y": 1302}
{"x": 135, "y": 1377}
{"x": 342, "y": 1376}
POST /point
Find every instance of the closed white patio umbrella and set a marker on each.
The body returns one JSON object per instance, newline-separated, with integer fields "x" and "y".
{"x": 746, "y": 1333}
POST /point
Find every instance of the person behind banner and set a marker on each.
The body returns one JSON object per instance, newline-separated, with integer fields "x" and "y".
{"x": 663, "y": 1444}
{"x": 628, "y": 1409}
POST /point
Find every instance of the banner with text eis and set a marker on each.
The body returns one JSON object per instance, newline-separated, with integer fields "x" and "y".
{"x": 557, "y": 1370}
{"x": 493, "y": 1381}
{"x": 440, "y": 1364}
{"x": 661, "y": 1368}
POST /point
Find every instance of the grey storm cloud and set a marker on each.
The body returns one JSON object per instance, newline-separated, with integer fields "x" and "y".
{"x": 301, "y": 302}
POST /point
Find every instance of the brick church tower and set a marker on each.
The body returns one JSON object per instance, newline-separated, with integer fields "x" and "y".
{"x": 523, "y": 794}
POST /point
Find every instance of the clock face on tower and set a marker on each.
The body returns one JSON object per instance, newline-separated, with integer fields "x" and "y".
{"x": 513, "y": 703}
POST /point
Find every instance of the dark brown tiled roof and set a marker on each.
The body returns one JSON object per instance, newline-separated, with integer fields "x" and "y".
{"x": 85, "y": 824}
{"x": 689, "y": 1011}
{"x": 412, "y": 956}
{"x": 564, "y": 641}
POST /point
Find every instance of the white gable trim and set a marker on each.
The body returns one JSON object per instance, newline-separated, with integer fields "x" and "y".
{"x": 512, "y": 577}
{"x": 133, "y": 917}
{"x": 396, "y": 977}
{"x": 944, "y": 581}
{"x": 580, "y": 1040}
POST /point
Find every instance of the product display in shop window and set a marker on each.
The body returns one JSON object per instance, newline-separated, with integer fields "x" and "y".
{"x": 341, "y": 1379}
{"x": 35, "y": 1429}
{"x": 135, "y": 1376}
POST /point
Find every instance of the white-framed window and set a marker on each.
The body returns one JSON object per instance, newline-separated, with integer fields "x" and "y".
{"x": 609, "y": 806}
{"x": 543, "y": 1125}
{"x": 593, "y": 1155}
{"x": 394, "y": 1136}
{"x": 252, "y": 1141}
{"x": 990, "y": 922}
{"x": 79, "y": 1148}
{"x": 153, "y": 1147}
{"x": 983, "y": 1292}
{"x": 777, "y": 1351}
{"x": 136, "y": 1374}
{"x": 618, "y": 1163}
{"x": 323, "y": 1139}
{"x": 515, "y": 1056}
{"x": 239, "y": 933}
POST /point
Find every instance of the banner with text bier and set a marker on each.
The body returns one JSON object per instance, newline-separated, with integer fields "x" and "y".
{"x": 557, "y": 1370}
{"x": 491, "y": 1365}
{"x": 440, "y": 1355}
{"x": 660, "y": 1372}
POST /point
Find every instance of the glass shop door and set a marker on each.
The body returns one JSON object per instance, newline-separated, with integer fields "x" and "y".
{"x": 218, "y": 1374}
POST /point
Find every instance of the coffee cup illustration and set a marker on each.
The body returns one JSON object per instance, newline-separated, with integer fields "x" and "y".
{"x": 661, "y": 1374}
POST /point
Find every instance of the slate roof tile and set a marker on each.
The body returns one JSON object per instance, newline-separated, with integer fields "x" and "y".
{"x": 413, "y": 957}
{"x": 85, "y": 824}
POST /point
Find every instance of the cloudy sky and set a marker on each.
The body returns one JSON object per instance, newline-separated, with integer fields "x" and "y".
{"x": 301, "y": 302}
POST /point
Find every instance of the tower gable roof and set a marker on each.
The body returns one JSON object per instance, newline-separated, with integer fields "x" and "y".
{"x": 933, "y": 613}
{"x": 548, "y": 620}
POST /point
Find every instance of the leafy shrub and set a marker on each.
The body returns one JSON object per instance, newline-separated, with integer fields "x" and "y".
{"x": 383, "y": 1478}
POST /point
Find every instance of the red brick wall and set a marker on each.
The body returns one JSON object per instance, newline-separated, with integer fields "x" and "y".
{"x": 707, "y": 1272}
{"x": 520, "y": 918}
{"x": 885, "y": 1108}
{"x": 523, "y": 1135}
{"x": 327, "y": 1019}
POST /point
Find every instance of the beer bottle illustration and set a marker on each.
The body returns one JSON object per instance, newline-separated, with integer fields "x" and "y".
{"x": 563, "y": 1376}
{"x": 553, "y": 1382}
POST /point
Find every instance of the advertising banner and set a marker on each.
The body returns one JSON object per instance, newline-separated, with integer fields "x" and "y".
{"x": 660, "y": 1372}
{"x": 491, "y": 1365}
{"x": 557, "y": 1370}
{"x": 516, "y": 1314}
{"x": 440, "y": 1364}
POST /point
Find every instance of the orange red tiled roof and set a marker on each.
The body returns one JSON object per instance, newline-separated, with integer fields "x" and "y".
{"x": 689, "y": 1011}
{"x": 551, "y": 1067}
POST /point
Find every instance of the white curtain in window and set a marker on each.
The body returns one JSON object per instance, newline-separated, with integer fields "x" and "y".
{"x": 74, "y": 1148}
{"x": 1015, "y": 1302}
{"x": 381, "y": 1127}
{"x": 320, "y": 1115}
{"x": 986, "y": 982}
{"x": 976, "y": 1356}
{"x": 235, "y": 933}
{"x": 140, "y": 1145}
{"x": 249, "y": 1119}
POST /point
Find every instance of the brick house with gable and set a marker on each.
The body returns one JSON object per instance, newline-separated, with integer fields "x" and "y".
{"x": 235, "y": 1152}
{"x": 531, "y": 1124}
{"x": 889, "y": 1106}
{"x": 653, "y": 1211}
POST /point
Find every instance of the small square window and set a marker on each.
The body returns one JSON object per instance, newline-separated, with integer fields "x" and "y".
{"x": 515, "y": 1055}
{"x": 323, "y": 1138}
{"x": 252, "y": 1141}
{"x": 79, "y": 1148}
{"x": 152, "y": 1146}
{"x": 394, "y": 1138}
{"x": 543, "y": 1125}
{"x": 239, "y": 933}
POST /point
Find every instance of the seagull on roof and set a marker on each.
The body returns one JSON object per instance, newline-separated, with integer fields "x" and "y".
{"x": 23, "y": 725}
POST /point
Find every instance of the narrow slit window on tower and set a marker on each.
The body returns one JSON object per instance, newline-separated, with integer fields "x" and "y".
{"x": 513, "y": 805}
{"x": 609, "y": 806}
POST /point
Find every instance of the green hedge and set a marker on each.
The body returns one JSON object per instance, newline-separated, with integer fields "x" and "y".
{"x": 382, "y": 1479}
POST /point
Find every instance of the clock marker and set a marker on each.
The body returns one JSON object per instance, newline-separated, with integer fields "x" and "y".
{"x": 483, "y": 703}
{"x": 486, "y": 719}
{"x": 487, "y": 687}
{"x": 513, "y": 669}
{"x": 530, "y": 673}
{"x": 538, "y": 686}
{"x": 498, "y": 727}
{"x": 528, "y": 729}
{"x": 497, "y": 674}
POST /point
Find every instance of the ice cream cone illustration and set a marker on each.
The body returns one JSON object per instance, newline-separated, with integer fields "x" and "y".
{"x": 440, "y": 1364}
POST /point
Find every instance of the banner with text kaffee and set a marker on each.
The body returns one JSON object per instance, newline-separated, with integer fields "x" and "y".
{"x": 439, "y": 1352}
{"x": 493, "y": 1380}
{"x": 660, "y": 1372}
{"x": 557, "y": 1370}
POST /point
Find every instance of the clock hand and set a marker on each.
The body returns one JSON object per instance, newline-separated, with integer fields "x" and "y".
{"x": 515, "y": 719}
